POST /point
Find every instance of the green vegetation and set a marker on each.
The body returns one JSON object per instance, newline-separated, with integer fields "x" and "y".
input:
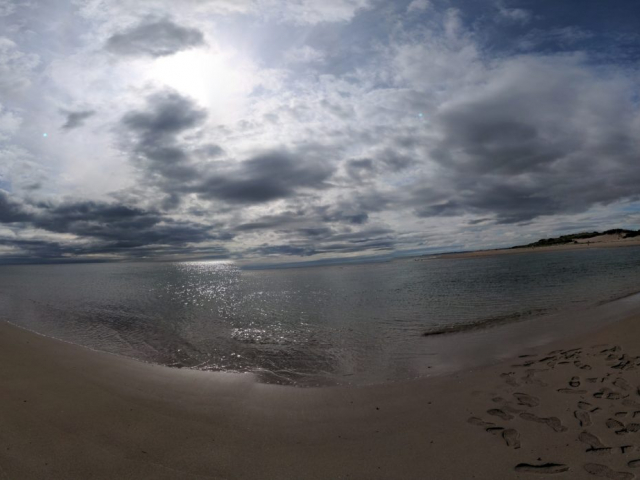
{"x": 564, "y": 239}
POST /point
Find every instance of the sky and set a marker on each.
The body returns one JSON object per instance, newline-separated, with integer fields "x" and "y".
{"x": 264, "y": 131}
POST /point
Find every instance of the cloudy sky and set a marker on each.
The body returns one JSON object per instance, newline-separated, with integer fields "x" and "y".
{"x": 273, "y": 131}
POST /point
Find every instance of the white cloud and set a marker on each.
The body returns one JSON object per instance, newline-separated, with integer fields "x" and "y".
{"x": 312, "y": 11}
{"x": 418, "y": 5}
{"x": 105, "y": 9}
{"x": 16, "y": 67}
{"x": 7, "y": 7}
{"x": 515, "y": 15}
{"x": 304, "y": 54}
{"x": 9, "y": 123}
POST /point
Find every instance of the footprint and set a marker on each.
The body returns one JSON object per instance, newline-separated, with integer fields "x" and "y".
{"x": 584, "y": 405}
{"x": 555, "y": 424}
{"x": 599, "y": 450}
{"x": 613, "y": 423}
{"x": 552, "y": 422}
{"x": 614, "y": 349}
{"x": 530, "y": 379}
{"x": 604, "y": 471}
{"x": 574, "y": 382}
{"x": 621, "y": 414}
{"x": 622, "y": 384}
{"x": 544, "y": 468}
{"x": 591, "y": 440}
{"x": 614, "y": 396}
{"x": 572, "y": 353}
{"x": 479, "y": 422}
{"x": 494, "y": 430}
{"x": 528, "y": 400}
{"x": 603, "y": 392}
{"x": 623, "y": 365}
{"x": 496, "y": 412}
{"x": 582, "y": 366}
{"x": 608, "y": 394}
{"x": 508, "y": 378}
{"x": 633, "y": 427}
{"x": 512, "y": 437}
{"x": 506, "y": 406}
{"x": 571, "y": 390}
{"x": 551, "y": 358}
{"x": 583, "y": 417}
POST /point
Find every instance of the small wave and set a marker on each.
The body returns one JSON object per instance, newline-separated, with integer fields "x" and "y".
{"x": 485, "y": 322}
{"x": 261, "y": 336}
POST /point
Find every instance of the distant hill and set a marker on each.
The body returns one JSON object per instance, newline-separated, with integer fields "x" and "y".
{"x": 580, "y": 238}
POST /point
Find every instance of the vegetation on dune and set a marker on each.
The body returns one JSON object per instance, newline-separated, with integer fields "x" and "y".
{"x": 572, "y": 238}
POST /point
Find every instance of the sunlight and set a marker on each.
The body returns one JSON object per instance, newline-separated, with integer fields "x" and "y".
{"x": 211, "y": 78}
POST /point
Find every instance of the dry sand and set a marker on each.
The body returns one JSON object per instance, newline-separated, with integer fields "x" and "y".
{"x": 571, "y": 410}
{"x": 601, "y": 241}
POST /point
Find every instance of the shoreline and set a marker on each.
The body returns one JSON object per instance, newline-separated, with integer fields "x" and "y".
{"x": 635, "y": 242}
{"x": 74, "y": 413}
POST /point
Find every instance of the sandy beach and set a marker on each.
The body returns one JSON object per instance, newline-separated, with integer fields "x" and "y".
{"x": 602, "y": 241}
{"x": 570, "y": 409}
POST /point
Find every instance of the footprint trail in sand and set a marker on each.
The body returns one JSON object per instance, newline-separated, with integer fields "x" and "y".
{"x": 597, "y": 406}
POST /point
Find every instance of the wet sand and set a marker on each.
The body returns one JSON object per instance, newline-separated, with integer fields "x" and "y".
{"x": 570, "y": 410}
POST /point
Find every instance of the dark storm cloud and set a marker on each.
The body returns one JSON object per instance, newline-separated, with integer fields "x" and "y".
{"x": 76, "y": 119}
{"x": 29, "y": 251}
{"x": 168, "y": 114}
{"x": 543, "y": 137}
{"x": 154, "y": 38}
{"x": 389, "y": 160}
{"x": 154, "y": 135}
{"x": 308, "y": 242}
{"x": 181, "y": 168}
{"x": 105, "y": 227}
{"x": 266, "y": 177}
{"x": 316, "y": 247}
{"x": 10, "y": 210}
{"x": 41, "y": 250}
{"x": 280, "y": 220}
{"x": 355, "y": 208}
{"x": 277, "y": 250}
{"x": 360, "y": 169}
{"x": 355, "y": 217}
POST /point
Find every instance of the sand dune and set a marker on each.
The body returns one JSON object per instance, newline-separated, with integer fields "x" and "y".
{"x": 601, "y": 241}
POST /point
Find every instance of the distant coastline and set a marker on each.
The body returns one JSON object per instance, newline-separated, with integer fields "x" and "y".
{"x": 576, "y": 241}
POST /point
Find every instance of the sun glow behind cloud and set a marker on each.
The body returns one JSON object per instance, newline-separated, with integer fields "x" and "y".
{"x": 219, "y": 81}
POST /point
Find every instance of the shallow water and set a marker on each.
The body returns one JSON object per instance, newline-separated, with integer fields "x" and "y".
{"x": 353, "y": 324}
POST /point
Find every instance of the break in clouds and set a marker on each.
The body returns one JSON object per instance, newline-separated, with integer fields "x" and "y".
{"x": 266, "y": 131}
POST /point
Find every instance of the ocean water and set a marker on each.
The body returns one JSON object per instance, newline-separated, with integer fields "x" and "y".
{"x": 349, "y": 324}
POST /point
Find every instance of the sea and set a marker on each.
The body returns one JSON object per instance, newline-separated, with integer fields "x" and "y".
{"x": 355, "y": 324}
